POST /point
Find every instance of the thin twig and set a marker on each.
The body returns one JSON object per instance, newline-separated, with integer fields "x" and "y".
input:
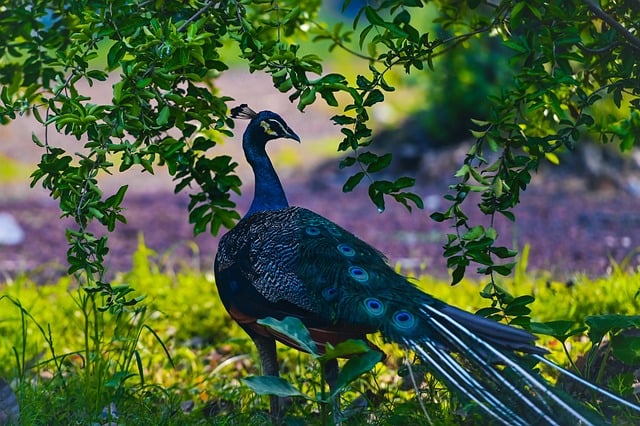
{"x": 197, "y": 15}
{"x": 239, "y": 16}
{"x": 417, "y": 389}
{"x": 600, "y": 50}
{"x": 278, "y": 24}
{"x": 338, "y": 42}
{"x": 452, "y": 42}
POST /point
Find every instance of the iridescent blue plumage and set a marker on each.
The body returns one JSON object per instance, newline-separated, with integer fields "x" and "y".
{"x": 263, "y": 127}
{"x": 284, "y": 261}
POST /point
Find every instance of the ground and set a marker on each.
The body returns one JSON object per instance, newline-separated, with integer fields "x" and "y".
{"x": 571, "y": 225}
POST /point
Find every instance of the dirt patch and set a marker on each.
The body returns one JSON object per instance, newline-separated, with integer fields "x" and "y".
{"x": 568, "y": 232}
{"x": 572, "y": 227}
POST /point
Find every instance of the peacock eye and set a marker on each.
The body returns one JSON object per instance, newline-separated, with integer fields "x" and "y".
{"x": 404, "y": 320}
{"x": 329, "y": 293}
{"x": 374, "y": 306}
{"x": 267, "y": 128}
{"x": 359, "y": 274}
{"x": 346, "y": 250}
{"x": 312, "y": 230}
{"x": 333, "y": 231}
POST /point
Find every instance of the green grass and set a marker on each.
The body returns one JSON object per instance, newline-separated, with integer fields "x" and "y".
{"x": 179, "y": 359}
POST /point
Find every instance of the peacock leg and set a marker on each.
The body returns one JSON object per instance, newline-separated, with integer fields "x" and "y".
{"x": 267, "y": 352}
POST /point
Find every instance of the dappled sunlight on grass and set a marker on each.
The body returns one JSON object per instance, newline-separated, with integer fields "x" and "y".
{"x": 69, "y": 362}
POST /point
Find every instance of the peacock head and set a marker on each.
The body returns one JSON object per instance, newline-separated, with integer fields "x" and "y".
{"x": 263, "y": 127}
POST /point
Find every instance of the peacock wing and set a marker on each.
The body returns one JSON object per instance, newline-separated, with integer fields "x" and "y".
{"x": 254, "y": 267}
{"x": 297, "y": 258}
{"x": 259, "y": 274}
{"x": 350, "y": 280}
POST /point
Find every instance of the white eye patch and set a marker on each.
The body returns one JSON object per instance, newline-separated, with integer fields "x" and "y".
{"x": 273, "y": 127}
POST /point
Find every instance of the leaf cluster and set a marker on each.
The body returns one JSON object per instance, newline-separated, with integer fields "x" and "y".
{"x": 160, "y": 59}
{"x": 571, "y": 60}
{"x": 361, "y": 360}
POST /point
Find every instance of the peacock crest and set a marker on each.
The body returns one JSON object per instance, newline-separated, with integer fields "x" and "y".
{"x": 243, "y": 112}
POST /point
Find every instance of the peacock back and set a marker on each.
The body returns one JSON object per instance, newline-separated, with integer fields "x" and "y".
{"x": 299, "y": 260}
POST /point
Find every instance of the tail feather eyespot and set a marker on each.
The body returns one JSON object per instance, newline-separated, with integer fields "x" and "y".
{"x": 374, "y": 307}
{"x": 358, "y": 274}
{"x": 404, "y": 320}
{"x": 312, "y": 231}
{"x": 346, "y": 250}
{"x": 329, "y": 293}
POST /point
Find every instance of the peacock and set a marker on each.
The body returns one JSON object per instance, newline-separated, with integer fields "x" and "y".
{"x": 285, "y": 261}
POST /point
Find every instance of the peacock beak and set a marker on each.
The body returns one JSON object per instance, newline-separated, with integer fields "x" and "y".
{"x": 292, "y": 135}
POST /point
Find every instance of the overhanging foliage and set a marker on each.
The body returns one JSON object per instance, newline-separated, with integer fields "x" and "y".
{"x": 569, "y": 58}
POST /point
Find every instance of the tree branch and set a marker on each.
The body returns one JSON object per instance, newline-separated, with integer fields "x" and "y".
{"x": 632, "y": 39}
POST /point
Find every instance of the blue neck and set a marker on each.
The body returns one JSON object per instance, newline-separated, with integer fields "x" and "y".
{"x": 269, "y": 194}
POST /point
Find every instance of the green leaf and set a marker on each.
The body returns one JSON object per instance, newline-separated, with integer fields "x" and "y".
{"x": 352, "y": 182}
{"x": 143, "y": 82}
{"x": 599, "y": 325}
{"x": 509, "y": 215}
{"x": 403, "y": 182}
{"x": 344, "y": 349}
{"x": 517, "y": 9}
{"x": 626, "y": 348}
{"x": 294, "y": 329}
{"x": 97, "y": 75}
{"x": 405, "y": 197}
{"x": 376, "y": 19}
{"x": 116, "y": 199}
{"x": 503, "y": 252}
{"x": 115, "y": 54}
{"x": 272, "y": 385}
{"x": 380, "y": 163}
{"x": 516, "y": 44}
{"x": 473, "y": 233}
{"x": 307, "y": 98}
{"x": 439, "y": 216}
{"x": 505, "y": 269}
{"x": 374, "y": 97}
{"x": 373, "y": 16}
{"x": 627, "y": 142}
{"x": 355, "y": 367}
{"x": 377, "y": 196}
{"x": 560, "y": 329}
{"x": 522, "y": 300}
{"x": 37, "y": 141}
{"x": 516, "y": 311}
{"x": 163, "y": 116}
{"x": 343, "y": 119}
{"x": 488, "y": 312}
{"x": 362, "y": 82}
{"x": 332, "y": 79}
{"x": 458, "y": 274}
{"x": 329, "y": 97}
{"x": 363, "y": 35}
